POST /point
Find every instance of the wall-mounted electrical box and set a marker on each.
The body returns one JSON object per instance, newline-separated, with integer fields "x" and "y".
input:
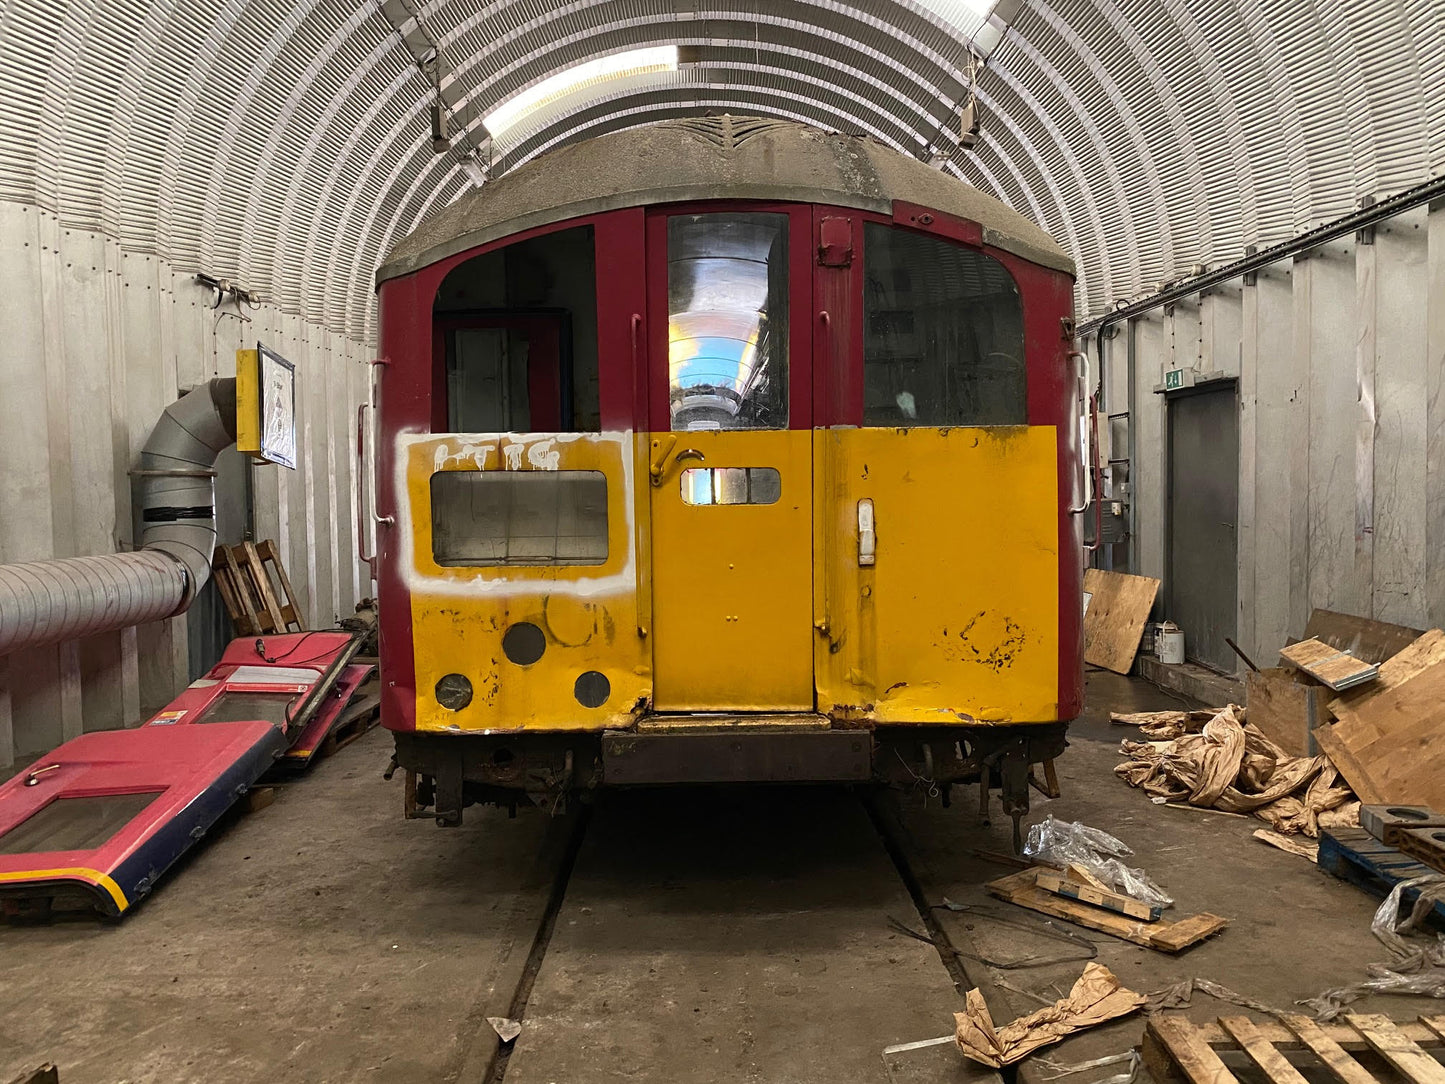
{"x": 266, "y": 406}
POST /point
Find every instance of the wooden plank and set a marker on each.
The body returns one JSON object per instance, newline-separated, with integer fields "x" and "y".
{"x": 240, "y": 583}
{"x": 1099, "y": 897}
{"x": 1260, "y": 1051}
{"x": 1079, "y": 875}
{"x": 1119, "y": 607}
{"x": 292, "y": 609}
{"x": 1346, "y": 1068}
{"x": 1178, "y": 936}
{"x": 237, "y": 602}
{"x": 1419, "y": 656}
{"x": 256, "y": 573}
{"x": 1343, "y": 758}
{"x": 1337, "y": 669}
{"x": 1021, "y": 889}
{"x": 1435, "y": 1023}
{"x": 1373, "y": 641}
{"x": 1397, "y": 1048}
{"x": 1346, "y": 1037}
{"x": 1187, "y": 1050}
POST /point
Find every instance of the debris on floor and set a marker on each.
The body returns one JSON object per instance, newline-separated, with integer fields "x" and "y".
{"x": 1287, "y": 843}
{"x": 1092, "y": 855}
{"x": 1022, "y": 889}
{"x": 1231, "y": 766}
{"x": 1165, "y": 725}
{"x": 1098, "y": 996}
{"x": 1182, "y": 993}
{"x": 1416, "y": 966}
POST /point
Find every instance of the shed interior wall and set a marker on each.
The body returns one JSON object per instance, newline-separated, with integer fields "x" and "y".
{"x": 100, "y": 340}
{"x": 1339, "y": 355}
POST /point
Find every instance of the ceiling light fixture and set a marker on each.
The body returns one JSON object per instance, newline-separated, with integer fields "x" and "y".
{"x": 632, "y": 62}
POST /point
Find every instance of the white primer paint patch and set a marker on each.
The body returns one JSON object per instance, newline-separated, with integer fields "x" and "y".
{"x": 542, "y": 451}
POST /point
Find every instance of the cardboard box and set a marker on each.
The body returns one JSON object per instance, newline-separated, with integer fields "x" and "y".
{"x": 1287, "y": 709}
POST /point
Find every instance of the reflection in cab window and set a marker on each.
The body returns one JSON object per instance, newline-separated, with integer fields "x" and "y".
{"x": 731, "y": 485}
{"x": 943, "y": 337}
{"x": 524, "y": 517}
{"x": 727, "y": 300}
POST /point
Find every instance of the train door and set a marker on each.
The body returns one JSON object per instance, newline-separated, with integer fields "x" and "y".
{"x": 730, "y": 459}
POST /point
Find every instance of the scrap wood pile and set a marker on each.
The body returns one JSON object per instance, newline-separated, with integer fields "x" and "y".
{"x": 1231, "y": 766}
{"x": 1356, "y": 714}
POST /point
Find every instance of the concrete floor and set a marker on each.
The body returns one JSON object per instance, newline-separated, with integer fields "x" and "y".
{"x": 704, "y": 935}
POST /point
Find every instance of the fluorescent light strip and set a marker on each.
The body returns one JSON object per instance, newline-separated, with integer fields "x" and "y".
{"x": 633, "y": 62}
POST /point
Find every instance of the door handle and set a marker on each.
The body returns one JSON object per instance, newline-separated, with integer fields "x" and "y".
{"x": 867, "y": 537}
{"x": 663, "y": 458}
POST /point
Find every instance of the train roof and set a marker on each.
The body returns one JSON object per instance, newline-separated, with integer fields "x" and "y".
{"x": 708, "y": 158}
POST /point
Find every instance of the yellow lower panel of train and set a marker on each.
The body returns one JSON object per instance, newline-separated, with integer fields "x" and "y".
{"x": 725, "y": 576}
{"x": 956, "y": 621}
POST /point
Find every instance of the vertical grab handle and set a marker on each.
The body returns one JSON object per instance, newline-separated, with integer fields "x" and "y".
{"x": 361, "y": 494}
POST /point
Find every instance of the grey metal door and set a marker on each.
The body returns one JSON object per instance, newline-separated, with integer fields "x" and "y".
{"x": 1201, "y": 594}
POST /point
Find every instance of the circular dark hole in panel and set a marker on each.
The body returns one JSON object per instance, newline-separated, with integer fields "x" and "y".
{"x": 454, "y": 692}
{"x": 502, "y": 757}
{"x": 1406, "y": 813}
{"x": 592, "y": 689}
{"x": 524, "y": 643}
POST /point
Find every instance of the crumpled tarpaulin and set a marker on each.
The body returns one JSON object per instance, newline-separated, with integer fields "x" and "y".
{"x": 1164, "y": 725}
{"x": 1097, "y": 996}
{"x": 1232, "y": 766}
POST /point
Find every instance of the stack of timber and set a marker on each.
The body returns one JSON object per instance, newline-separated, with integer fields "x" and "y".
{"x": 1116, "y": 607}
{"x": 1388, "y": 738}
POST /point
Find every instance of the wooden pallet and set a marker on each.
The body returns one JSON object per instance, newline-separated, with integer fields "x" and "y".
{"x": 360, "y": 715}
{"x": 1353, "y": 855}
{"x": 1177, "y": 1051}
{"x": 257, "y": 592}
{"x": 1022, "y": 889}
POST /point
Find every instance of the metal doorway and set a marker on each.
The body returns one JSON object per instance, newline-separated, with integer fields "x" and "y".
{"x": 1201, "y": 589}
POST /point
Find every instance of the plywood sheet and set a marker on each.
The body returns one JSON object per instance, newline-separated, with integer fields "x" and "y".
{"x": 1285, "y": 710}
{"x": 1336, "y": 668}
{"x": 1392, "y": 749}
{"x": 1421, "y": 654}
{"x": 1114, "y": 622}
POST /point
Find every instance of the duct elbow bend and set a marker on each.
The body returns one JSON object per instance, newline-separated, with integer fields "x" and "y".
{"x": 176, "y": 487}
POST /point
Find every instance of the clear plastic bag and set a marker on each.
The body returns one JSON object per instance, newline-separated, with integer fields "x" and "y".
{"x": 1064, "y": 843}
{"x": 1418, "y": 967}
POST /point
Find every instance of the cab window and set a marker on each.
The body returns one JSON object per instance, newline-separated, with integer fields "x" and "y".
{"x": 727, "y": 321}
{"x": 518, "y": 329}
{"x": 943, "y": 338}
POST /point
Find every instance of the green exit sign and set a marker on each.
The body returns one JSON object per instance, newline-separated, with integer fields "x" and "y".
{"x": 1174, "y": 378}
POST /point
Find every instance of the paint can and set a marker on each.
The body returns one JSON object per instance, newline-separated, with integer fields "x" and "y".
{"x": 1169, "y": 643}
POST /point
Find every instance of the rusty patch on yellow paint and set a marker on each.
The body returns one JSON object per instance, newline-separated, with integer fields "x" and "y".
{"x": 992, "y": 640}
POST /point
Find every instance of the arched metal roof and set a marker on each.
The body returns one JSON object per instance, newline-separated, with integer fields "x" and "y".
{"x": 703, "y": 158}
{"x": 288, "y": 147}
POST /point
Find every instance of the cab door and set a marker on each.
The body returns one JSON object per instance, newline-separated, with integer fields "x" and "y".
{"x": 730, "y": 471}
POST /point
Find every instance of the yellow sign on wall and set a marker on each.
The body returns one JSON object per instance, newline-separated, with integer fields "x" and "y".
{"x": 266, "y": 406}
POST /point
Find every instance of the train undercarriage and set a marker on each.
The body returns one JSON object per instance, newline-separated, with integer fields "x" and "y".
{"x": 446, "y": 773}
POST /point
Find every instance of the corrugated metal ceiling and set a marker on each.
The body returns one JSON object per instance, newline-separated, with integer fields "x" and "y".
{"x": 288, "y": 146}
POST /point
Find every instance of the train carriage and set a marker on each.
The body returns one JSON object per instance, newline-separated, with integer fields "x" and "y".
{"x": 725, "y": 450}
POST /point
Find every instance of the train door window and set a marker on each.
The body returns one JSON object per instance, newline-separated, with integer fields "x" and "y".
{"x": 517, "y": 330}
{"x": 727, "y": 301}
{"x": 943, "y": 338}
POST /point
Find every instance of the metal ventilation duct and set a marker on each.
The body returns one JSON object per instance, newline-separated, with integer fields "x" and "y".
{"x": 46, "y": 602}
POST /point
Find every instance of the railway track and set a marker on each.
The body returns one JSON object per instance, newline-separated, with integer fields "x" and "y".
{"x": 699, "y": 934}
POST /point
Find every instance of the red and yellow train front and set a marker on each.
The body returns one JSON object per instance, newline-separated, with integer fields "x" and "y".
{"x": 726, "y": 491}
